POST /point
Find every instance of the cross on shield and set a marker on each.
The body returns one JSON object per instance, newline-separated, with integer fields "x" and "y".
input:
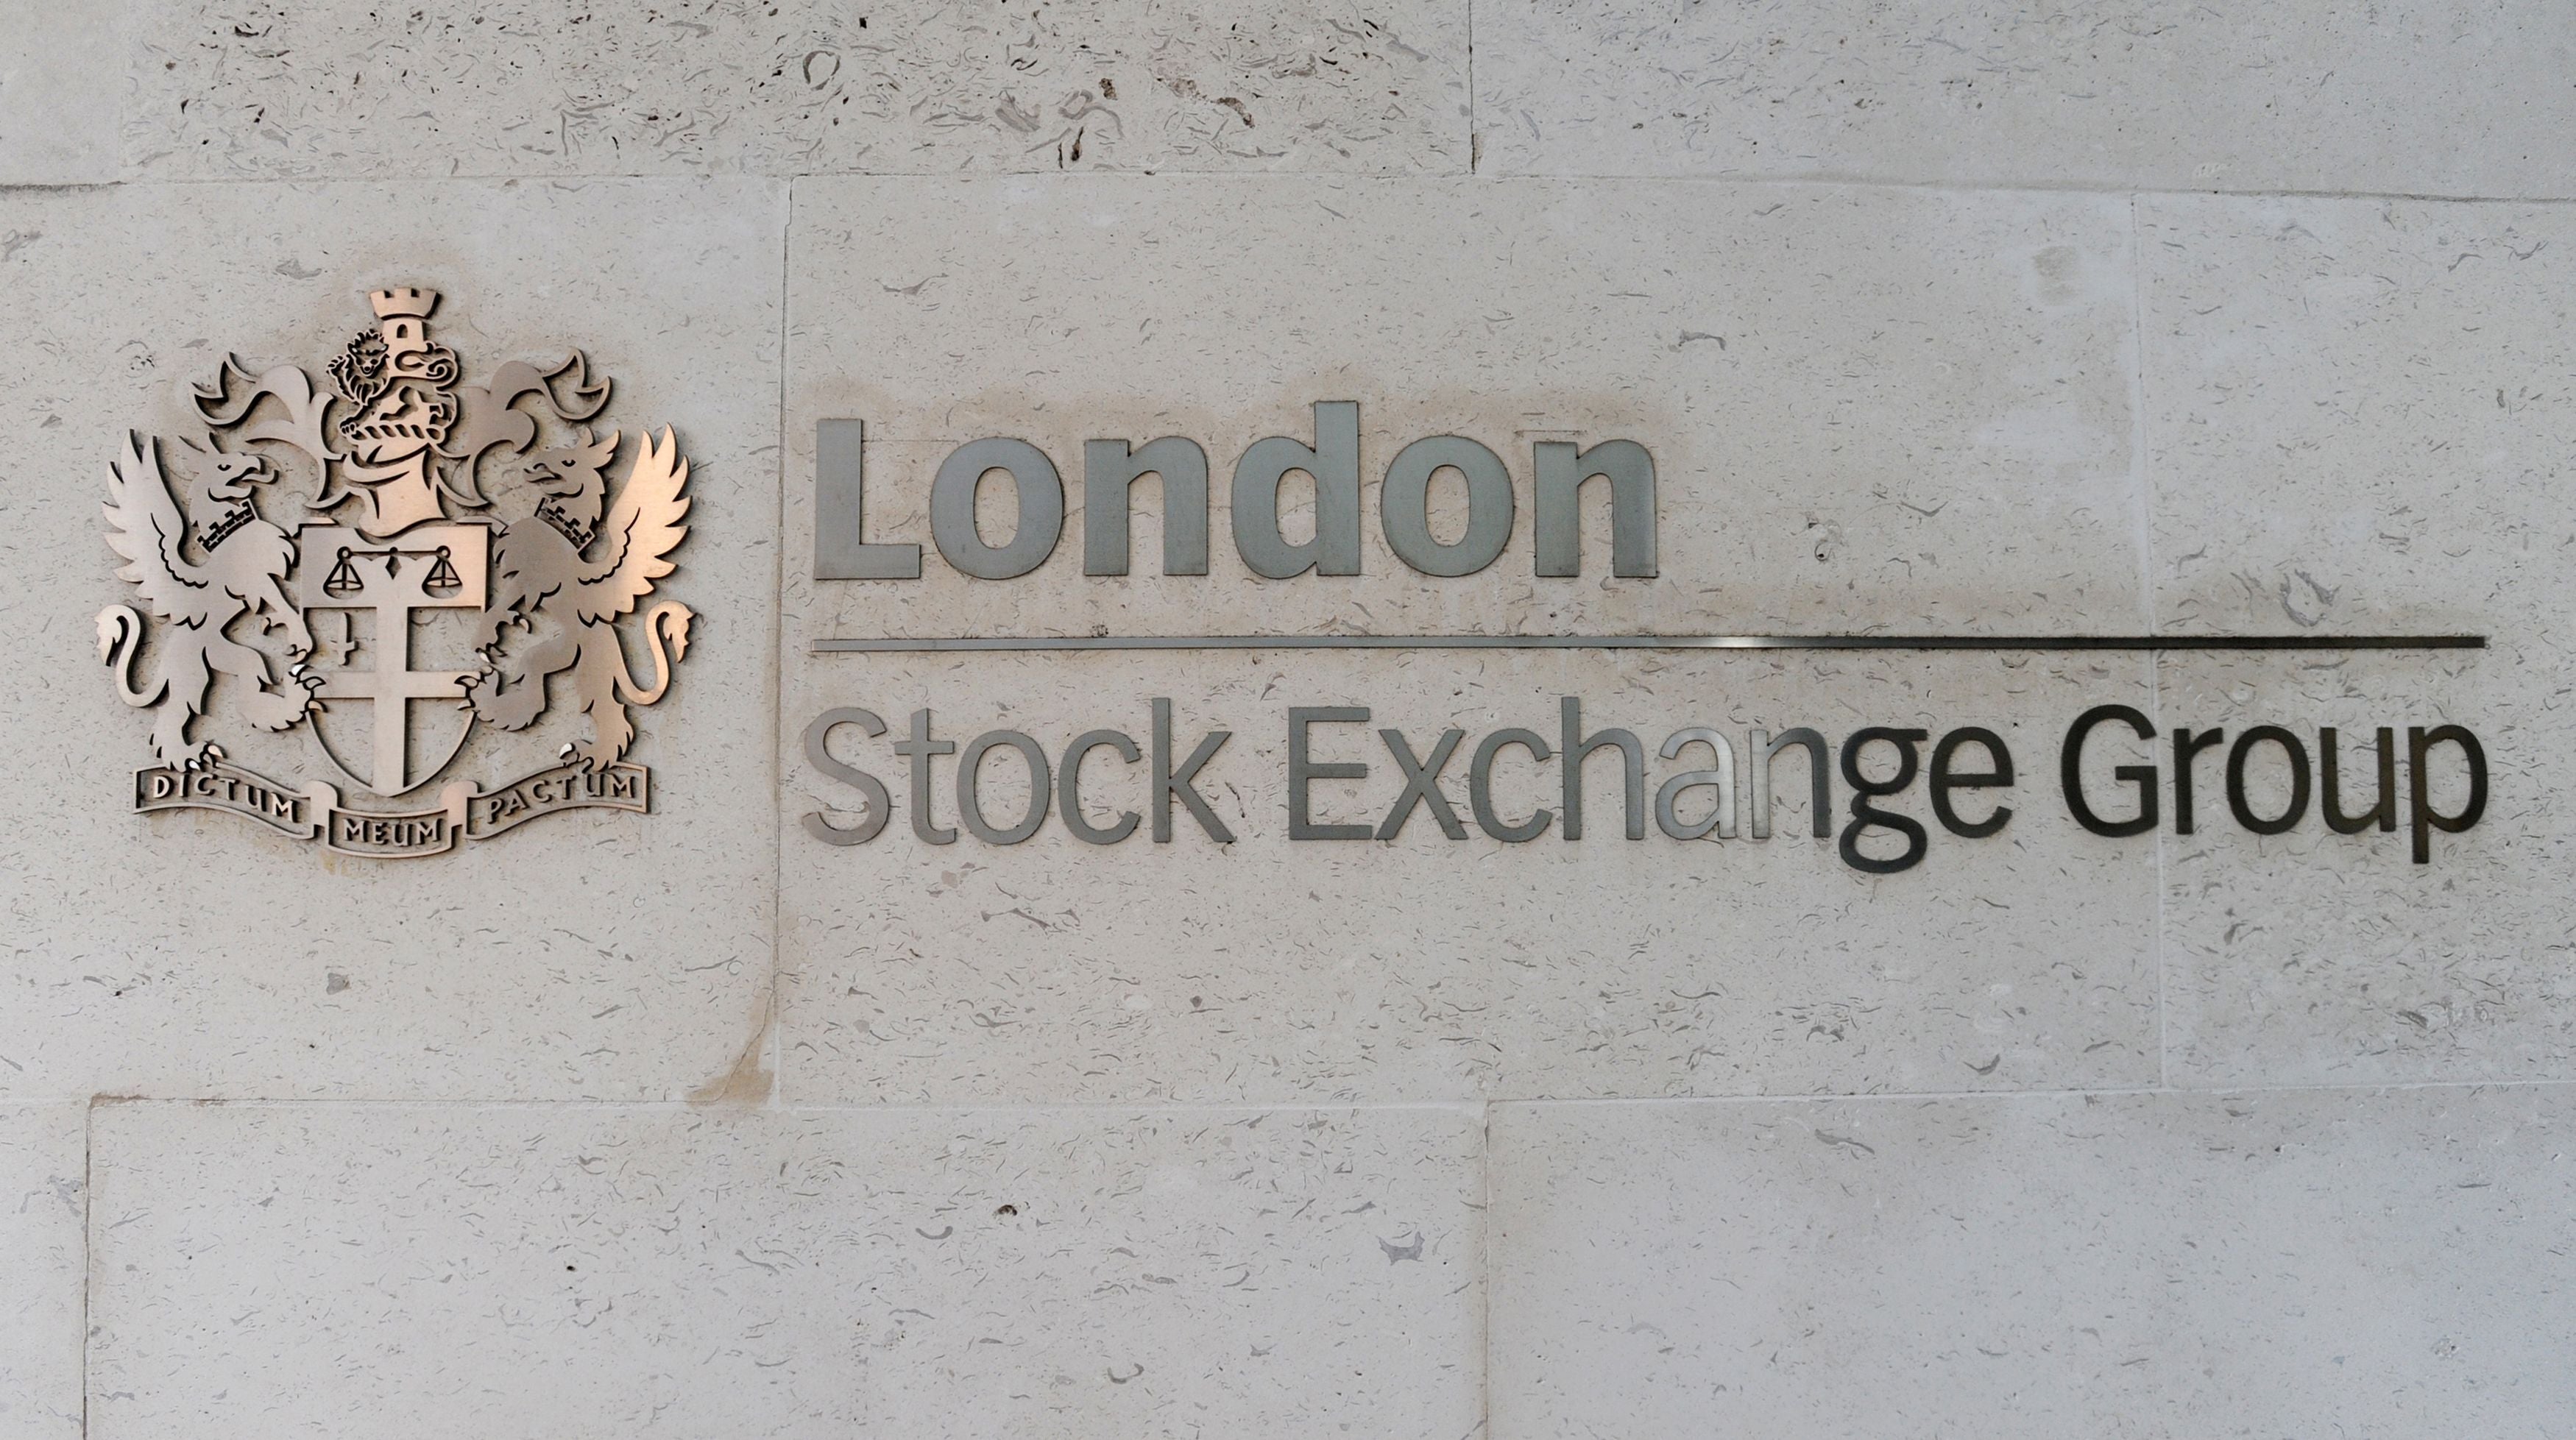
{"x": 379, "y": 585}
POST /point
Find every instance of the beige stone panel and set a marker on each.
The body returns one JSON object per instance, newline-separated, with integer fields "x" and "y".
{"x": 1886, "y": 409}
{"x": 1945, "y": 405}
{"x": 60, "y": 68}
{"x": 2409, "y": 98}
{"x": 43, "y": 1215}
{"x": 347, "y": 89}
{"x": 608, "y": 1272}
{"x": 2316, "y": 957}
{"x": 2353, "y": 432}
{"x": 1274, "y": 968}
{"x": 2289, "y": 1262}
{"x": 2350, "y": 424}
{"x": 597, "y": 954}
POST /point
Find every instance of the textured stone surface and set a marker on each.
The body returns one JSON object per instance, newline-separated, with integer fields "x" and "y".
{"x": 550, "y": 88}
{"x": 43, "y": 1211}
{"x": 1425, "y": 966}
{"x": 590, "y": 955}
{"x": 2325, "y": 1262}
{"x": 2355, "y": 430}
{"x": 1923, "y": 339}
{"x": 2410, "y": 98}
{"x": 59, "y": 69}
{"x": 1868, "y": 408}
{"x": 609, "y": 1272}
{"x": 1832, "y": 443}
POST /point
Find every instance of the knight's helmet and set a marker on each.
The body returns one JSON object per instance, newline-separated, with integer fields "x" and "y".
{"x": 402, "y": 384}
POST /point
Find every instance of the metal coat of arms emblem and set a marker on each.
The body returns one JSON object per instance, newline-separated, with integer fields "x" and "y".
{"x": 404, "y": 606}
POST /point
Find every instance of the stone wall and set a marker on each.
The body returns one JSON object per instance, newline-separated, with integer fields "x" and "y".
{"x": 1965, "y": 320}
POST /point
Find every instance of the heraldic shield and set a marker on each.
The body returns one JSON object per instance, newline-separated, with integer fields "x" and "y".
{"x": 369, "y": 606}
{"x": 371, "y": 636}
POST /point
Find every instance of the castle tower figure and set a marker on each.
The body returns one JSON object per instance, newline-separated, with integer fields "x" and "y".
{"x": 403, "y": 385}
{"x": 402, "y": 320}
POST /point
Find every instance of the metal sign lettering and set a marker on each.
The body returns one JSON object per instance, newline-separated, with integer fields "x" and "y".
{"x": 401, "y": 609}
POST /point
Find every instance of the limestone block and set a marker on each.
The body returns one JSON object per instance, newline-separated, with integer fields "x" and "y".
{"x": 2286, "y": 1262}
{"x": 1922, "y": 432}
{"x": 352, "y": 90}
{"x": 607, "y": 1272}
{"x": 61, "y": 68}
{"x": 1430, "y": 966}
{"x": 590, "y": 955}
{"x": 1892, "y": 408}
{"x": 2412, "y": 98}
{"x": 2353, "y": 432}
{"x": 43, "y": 1168}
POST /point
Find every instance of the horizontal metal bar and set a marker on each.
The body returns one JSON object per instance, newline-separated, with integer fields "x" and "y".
{"x": 1059, "y": 643}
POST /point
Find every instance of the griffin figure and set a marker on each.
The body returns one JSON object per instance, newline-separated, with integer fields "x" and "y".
{"x": 246, "y": 562}
{"x": 544, "y": 571}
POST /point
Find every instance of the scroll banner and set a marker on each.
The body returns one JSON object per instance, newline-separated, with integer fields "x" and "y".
{"x": 382, "y": 836}
{"x": 462, "y": 813}
{"x": 219, "y": 786}
{"x": 565, "y": 787}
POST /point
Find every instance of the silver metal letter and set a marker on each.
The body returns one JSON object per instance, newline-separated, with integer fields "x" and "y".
{"x": 879, "y": 803}
{"x": 840, "y": 487}
{"x": 918, "y": 749}
{"x": 1302, "y": 771}
{"x": 1561, "y": 474}
{"x": 1421, "y": 784}
{"x": 1068, "y": 788}
{"x": 1480, "y": 785}
{"x": 1109, "y": 475}
{"x": 952, "y": 508}
{"x": 1578, "y": 745}
{"x": 1722, "y": 779}
{"x": 1404, "y": 506}
{"x": 970, "y": 808}
{"x": 1760, "y": 748}
{"x": 1171, "y": 784}
{"x": 1334, "y": 461}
